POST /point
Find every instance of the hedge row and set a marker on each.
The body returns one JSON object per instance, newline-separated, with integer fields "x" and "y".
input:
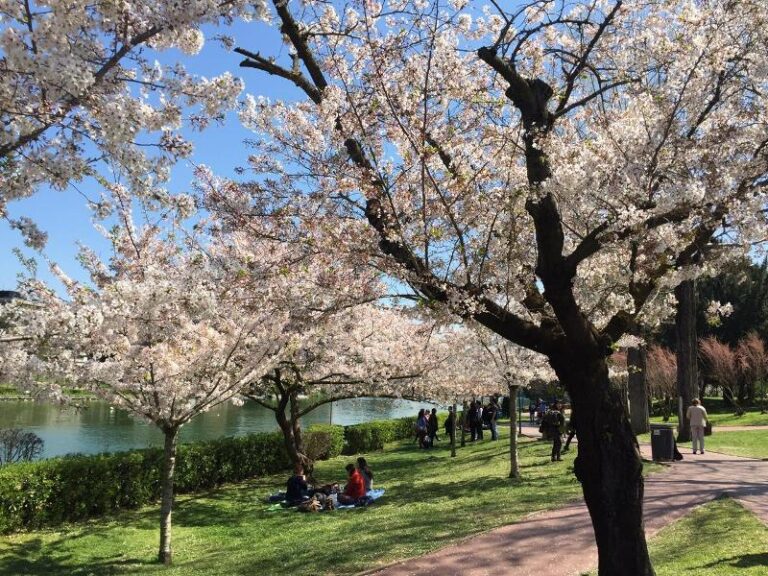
{"x": 75, "y": 487}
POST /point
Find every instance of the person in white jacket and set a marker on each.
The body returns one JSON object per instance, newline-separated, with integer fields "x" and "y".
{"x": 697, "y": 416}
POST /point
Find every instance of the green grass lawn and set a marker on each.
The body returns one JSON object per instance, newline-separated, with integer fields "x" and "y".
{"x": 750, "y": 418}
{"x": 431, "y": 500}
{"x": 752, "y": 443}
{"x": 718, "y": 539}
{"x": 748, "y": 443}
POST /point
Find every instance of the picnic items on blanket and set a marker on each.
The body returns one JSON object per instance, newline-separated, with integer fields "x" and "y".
{"x": 320, "y": 502}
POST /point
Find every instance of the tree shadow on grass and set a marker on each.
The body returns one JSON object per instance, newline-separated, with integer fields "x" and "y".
{"x": 35, "y": 557}
{"x": 741, "y": 561}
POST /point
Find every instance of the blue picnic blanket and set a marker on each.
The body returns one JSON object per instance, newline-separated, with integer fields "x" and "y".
{"x": 370, "y": 497}
{"x": 277, "y": 501}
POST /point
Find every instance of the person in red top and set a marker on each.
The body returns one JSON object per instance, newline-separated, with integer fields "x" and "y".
{"x": 355, "y": 488}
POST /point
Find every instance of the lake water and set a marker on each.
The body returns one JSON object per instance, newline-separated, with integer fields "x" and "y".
{"x": 98, "y": 427}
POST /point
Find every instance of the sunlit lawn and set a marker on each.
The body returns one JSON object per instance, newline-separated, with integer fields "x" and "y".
{"x": 718, "y": 539}
{"x": 750, "y": 418}
{"x": 752, "y": 444}
{"x": 430, "y": 501}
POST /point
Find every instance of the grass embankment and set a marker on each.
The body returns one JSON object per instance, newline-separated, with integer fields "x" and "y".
{"x": 718, "y": 539}
{"x": 721, "y": 414}
{"x": 431, "y": 500}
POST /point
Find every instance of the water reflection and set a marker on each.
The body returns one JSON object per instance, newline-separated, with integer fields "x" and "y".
{"x": 101, "y": 428}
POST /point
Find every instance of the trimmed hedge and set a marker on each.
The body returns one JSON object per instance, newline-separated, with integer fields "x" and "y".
{"x": 76, "y": 487}
{"x": 372, "y": 436}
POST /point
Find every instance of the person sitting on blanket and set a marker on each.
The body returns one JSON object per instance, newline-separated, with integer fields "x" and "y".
{"x": 365, "y": 472}
{"x": 297, "y": 489}
{"x": 355, "y": 488}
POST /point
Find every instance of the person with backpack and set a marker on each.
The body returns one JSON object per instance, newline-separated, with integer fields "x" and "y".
{"x": 552, "y": 423}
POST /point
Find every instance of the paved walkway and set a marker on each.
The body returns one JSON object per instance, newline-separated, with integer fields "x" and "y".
{"x": 525, "y": 548}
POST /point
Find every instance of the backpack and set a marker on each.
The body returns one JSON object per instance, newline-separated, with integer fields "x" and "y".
{"x": 551, "y": 419}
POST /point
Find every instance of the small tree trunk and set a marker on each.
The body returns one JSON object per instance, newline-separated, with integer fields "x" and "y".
{"x": 463, "y": 416}
{"x": 687, "y": 377}
{"x": 514, "y": 466}
{"x": 608, "y": 464}
{"x": 166, "y": 507}
{"x": 638, "y": 391}
{"x": 453, "y": 432}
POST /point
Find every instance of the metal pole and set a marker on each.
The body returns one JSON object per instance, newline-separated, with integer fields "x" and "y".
{"x": 330, "y": 414}
{"x": 520, "y": 411}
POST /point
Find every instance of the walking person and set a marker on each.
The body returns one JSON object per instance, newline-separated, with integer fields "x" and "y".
{"x": 472, "y": 416}
{"x": 493, "y": 414}
{"x": 421, "y": 429}
{"x": 697, "y": 416}
{"x": 432, "y": 427}
{"x": 479, "y": 408}
{"x": 450, "y": 423}
{"x": 552, "y": 423}
{"x": 570, "y": 428}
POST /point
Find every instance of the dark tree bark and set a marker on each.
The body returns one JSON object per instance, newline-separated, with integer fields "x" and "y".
{"x": 687, "y": 367}
{"x": 638, "y": 390}
{"x": 166, "y": 507}
{"x": 608, "y": 465}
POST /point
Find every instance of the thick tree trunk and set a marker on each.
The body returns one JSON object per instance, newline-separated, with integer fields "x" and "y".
{"x": 638, "y": 390}
{"x": 687, "y": 377}
{"x": 294, "y": 444}
{"x": 608, "y": 465}
{"x": 514, "y": 466}
{"x": 166, "y": 507}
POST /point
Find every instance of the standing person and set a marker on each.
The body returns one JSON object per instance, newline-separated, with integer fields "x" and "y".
{"x": 421, "y": 429}
{"x": 366, "y": 473}
{"x": 531, "y": 412}
{"x": 432, "y": 427}
{"x": 450, "y": 422}
{"x": 552, "y": 423}
{"x": 493, "y": 414}
{"x": 473, "y": 419}
{"x": 571, "y": 429}
{"x": 355, "y": 488}
{"x": 697, "y": 416}
{"x": 479, "y": 407}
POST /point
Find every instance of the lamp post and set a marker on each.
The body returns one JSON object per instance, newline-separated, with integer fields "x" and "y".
{"x": 519, "y": 411}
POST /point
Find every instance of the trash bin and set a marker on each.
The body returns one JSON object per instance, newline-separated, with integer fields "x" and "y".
{"x": 662, "y": 442}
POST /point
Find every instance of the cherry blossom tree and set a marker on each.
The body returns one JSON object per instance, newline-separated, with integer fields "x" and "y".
{"x": 753, "y": 361}
{"x": 551, "y": 170}
{"x": 80, "y": 85}
{"x": 363, "y": 351}
{"x": 172, "y": 326}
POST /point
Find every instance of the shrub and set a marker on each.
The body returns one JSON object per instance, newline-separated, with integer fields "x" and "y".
{"x": 373, "y": 435}
{"x": 324, "y": 441}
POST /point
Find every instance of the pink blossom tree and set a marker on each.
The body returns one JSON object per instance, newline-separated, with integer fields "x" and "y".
{"x": 551, "y": 171}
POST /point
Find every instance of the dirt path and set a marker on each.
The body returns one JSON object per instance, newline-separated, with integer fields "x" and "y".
{"x": 528, "y": 547}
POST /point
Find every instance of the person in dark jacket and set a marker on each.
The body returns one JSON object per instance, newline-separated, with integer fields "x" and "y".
{"x": 297, "y": 489}
{"x": 450, "y": 422}
{"x": 553, "y": 423}
{"x": 366, "y": 472}
{"x": 474, "y": 421}
{"x": 432, "y": 427}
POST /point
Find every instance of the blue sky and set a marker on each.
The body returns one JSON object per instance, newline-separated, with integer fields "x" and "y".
{"x": 65, "y": 216}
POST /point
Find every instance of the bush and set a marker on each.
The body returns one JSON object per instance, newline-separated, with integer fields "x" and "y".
{"x": 324, "y": 441}
{"x": 372, "y": 436}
